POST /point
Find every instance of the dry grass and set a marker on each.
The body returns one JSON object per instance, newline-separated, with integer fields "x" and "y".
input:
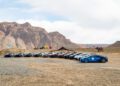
{"x": 107, "y": 50}
{"x": 60, "y": 72}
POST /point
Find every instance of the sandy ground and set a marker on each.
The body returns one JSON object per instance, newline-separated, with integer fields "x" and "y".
{"x": 59, "y": 72}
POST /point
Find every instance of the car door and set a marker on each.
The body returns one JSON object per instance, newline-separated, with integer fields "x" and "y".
{"x": 91, "y": 59}
{"x": 97, "y": 58}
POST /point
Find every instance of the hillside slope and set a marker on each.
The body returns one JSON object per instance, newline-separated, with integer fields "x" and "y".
{"x": 25, "y": 36}
{"x": 115, "y": 45}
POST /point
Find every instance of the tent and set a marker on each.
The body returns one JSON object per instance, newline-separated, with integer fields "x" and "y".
{"x": 63, "y": 48}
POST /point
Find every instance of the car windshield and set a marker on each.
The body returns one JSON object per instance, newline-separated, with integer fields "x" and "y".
{"x": 85, "y": 56}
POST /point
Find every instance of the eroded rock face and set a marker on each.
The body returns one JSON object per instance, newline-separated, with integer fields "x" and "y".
{"x": 1, "y": 38}
{"x": 9, "y": 42}
{"x": 58, "y": 40}
{"x": 20, "y": 43}
{"x": 25, "y": 36}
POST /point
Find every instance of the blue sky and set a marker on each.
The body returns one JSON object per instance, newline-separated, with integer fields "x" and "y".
{"x": 15, "y": 10}
{"x": 82, "y": 21}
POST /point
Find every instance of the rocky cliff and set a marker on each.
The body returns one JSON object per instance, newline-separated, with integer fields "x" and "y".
{"x": 58, "y": 40}
{"x": 25, "y": 36}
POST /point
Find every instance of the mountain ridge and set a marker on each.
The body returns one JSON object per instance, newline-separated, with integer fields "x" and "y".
{"x": 26, "y": 36}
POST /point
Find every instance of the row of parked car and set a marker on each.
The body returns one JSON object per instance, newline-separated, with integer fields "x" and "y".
{"x": 82, "y": 57}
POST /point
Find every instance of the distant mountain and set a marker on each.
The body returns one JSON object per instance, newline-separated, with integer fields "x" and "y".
{"x": 25, "y": 36}
{"x": 93, "y": 45}
{"x": 58, "y": 40}
{"x": 115, "y": 45}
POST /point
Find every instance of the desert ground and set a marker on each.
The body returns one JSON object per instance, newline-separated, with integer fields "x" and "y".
{"x": 59, "y": 72}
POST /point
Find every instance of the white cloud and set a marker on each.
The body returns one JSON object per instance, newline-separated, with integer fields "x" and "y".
{"x": 90, "y": 21}
{"x": 80, "y": 10}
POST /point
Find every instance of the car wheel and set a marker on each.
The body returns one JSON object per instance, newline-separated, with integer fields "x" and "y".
{"x": 103, "y": 60}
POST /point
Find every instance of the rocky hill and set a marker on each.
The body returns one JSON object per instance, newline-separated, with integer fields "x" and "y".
{"x": 25, "y": 36}
{"x": 115, "y": 45}
{"x": 58, "y": 40}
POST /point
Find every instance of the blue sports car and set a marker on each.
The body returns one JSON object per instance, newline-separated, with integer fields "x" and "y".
{"x": 94, "y": 59}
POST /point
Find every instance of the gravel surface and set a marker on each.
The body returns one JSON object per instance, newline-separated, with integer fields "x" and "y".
{"x": 17, "y": 66}
{"x": 59, "y": 72}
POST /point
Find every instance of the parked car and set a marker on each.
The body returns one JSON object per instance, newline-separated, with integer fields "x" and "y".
{"x": 94, "y": 58}
{"x": 68, "y": 55}
{"x": 28, "y": 54}
{"x": 45, "y": 54}
{"x": 18, "y": 55}
{"x": 8, "y": 55}
{"x": 37, "y": 55}
{"x": 81, "y": 55}
{"x": 53, "y": 54}
{"x": 61, "y": 54}
{"x": 73, "y": 55}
